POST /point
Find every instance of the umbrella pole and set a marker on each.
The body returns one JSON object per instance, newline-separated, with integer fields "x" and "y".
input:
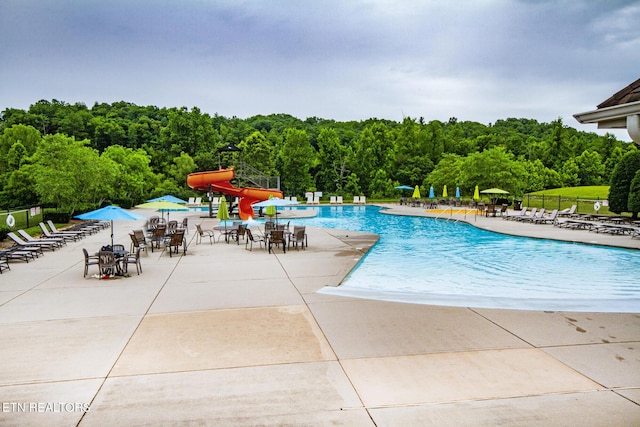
{"x": 111, "y": 234}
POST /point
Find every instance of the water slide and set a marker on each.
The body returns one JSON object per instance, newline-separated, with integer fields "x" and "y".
{"x": 220, "y": 181}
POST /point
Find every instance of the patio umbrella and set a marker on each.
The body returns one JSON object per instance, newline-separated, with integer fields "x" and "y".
{"x": 223, "y": 210}
{"x": 457, "y": 192}
{"x": 416, "y": 193}
{"x": 110, "y": 213}
{"x": 271, "y": 209}
{"x": 444, "y": 191}
{"x": 432, "y": 194}
{"x": 275, "y": 202}
{"x": 403, "y": 187}
{"x": 163, "y": 206}
{"x": 476, "y": 194}
{"x": 168, "y": 198}
{"x": 494, "y": 191}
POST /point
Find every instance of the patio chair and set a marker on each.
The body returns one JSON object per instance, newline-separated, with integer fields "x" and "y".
{"x": 251, "y": 238}
{"x": 133, "y": 259}
{"x": 138, "y": 240}
{"x": 534, "y": 215}
{"x": 276, "y": 237}
{"x": 520, "y": 214}
{"x": 201, "y": 233}
{"x": 172, "y": 226}
{"x": 107, "y": 264}
{"x": 184, "y": 225}
{"x": 298, "y": 235}
{"x": 89, "y": 260}
{"x": 241, "y": 232}
{"x": 158, "y": 236}
{"x": 177, "y": 240}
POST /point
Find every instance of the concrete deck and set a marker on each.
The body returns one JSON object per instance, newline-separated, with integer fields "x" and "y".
{"x": 225, "y": 336}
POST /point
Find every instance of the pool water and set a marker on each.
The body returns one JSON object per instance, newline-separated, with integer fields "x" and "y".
{"x": 430, "y": 261}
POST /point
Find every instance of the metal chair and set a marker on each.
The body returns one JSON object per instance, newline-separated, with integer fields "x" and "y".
{"x": 276, "y": 237}
{"x": 88, "y": 260}
{"x": 251, "y": 239}
{"x": 177, "y": 240}
{"x": 107, "y": 263}
{"x": 133, "y": 259}
{"x": 299, "y": 235}
{"x": 202, "y": 233}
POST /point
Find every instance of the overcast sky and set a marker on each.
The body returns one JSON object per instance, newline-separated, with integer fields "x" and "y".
{"x": 480, "y": 60}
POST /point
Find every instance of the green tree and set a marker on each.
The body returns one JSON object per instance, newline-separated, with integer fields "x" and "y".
{"x": 590, "y": 168}
{"x": 134, "y": 179}
{"x": 69, "y": 174}
{"x": 257, "y": 151}
{"x": 334, "y": 159}
{"x": 27, "y": 136}
{"x": 623, "y": 174}
{"x": 297, "y": 157}
{"x": 634, "y": 195}
{"x": 182, "y": 166}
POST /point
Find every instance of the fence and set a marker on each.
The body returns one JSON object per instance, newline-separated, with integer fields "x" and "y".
{"x": 586, "y": 206}
{"x": 22, "y": 217}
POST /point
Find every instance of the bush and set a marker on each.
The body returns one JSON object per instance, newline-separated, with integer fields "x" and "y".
{"x": 57, "y": 217}
{"x": 3, "y": 232}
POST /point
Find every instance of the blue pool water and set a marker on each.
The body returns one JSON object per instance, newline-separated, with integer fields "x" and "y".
{"x": 429, "y": 261}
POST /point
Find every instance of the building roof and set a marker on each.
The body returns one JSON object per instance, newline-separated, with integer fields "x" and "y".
{"x": 630, "y": 93}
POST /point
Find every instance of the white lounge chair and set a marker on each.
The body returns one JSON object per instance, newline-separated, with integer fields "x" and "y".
{"x": 316, "y": 200}
{"x": 309, "y": 200}
{"x": 339, "y": 200}
{"x": 294, "y": 199}
{"x": 356, "y": 199}
{"x": 332, "y": 200}
{"x": 363, "y": 200}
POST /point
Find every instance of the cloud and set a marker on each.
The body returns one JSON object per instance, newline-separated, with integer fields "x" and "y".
{"x": 475, "y": 60}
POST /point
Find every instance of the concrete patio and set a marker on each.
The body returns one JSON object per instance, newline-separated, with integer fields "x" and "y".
{"x": 225, "y": 336}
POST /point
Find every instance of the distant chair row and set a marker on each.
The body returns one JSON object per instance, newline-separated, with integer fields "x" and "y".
{"x": 194, "y": 201}
{"x": 335, "y": 200}
{"x": 359, "y": 200}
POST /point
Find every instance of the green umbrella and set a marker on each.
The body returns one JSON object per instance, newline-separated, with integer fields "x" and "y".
{"x": 223, "y": 211}
{"x": 444, "y": 191}
{"x": 271, "y": 209}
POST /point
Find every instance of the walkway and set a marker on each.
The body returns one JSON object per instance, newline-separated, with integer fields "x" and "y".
{"x": 224, "y": 336}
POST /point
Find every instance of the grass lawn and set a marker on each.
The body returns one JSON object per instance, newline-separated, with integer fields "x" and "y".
{"x": 594, "y": 192}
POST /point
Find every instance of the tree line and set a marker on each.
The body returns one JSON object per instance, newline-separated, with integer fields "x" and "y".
{"x": 75, "y": 157}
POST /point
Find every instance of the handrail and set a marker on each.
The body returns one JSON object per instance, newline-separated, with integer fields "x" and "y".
{"x": 246, "y": 171}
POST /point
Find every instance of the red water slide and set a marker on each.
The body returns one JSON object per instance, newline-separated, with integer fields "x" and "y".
{"x": 220, "y": 181}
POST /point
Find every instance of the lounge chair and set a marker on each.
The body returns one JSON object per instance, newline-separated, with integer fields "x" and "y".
{"x": 299, "y": 235}
{"x": 191, "y": 201}
{"x": 54, "y": 230}
{"x": 42, "y": 245}
{"x": 4, "y": 264}
{"x": 16, "y": 253}
{"x": 66, "y": 236}
{"x": 527, "y": 216}
{"x": 356, "y": 199}
{"x": 339, "y": 200}
{"x": 59, "y": 241}
{"x": 294, "y": 199}
{"x": 521, "y": 214}
{"x": 309, "y": 200}
{"x": 251, "y": 238}
{"x": 201, "y": 233}
{"x": 332, "y": 200}
{"x": 89, "y": 260}
{"x": 363, "y": 200}
{"x": 568, "y": 212}
{"x": 534, "y": 216}
{"x": 546, "y": 218}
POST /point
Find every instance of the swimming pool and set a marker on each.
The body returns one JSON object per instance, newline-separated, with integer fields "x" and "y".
{"x": 430, "y": 261}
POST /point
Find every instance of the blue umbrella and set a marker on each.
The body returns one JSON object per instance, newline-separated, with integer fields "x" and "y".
{"x": 432, "y": 194}
{"x": 110, "y": 213}
{"x": 168, "y": 198}
{"x": 457, "y": 192}
{"x": 403, "y": 187}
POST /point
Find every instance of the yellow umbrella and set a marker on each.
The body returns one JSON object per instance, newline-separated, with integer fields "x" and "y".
{"x": 476, "y": 194}
{"x": 444, "y": 191}
{"x": 416, "y": 193}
